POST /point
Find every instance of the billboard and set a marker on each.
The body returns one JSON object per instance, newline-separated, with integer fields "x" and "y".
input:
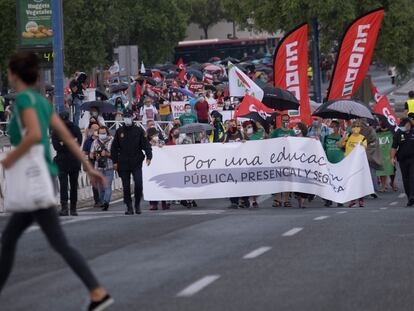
{"x": 34, "y": 23}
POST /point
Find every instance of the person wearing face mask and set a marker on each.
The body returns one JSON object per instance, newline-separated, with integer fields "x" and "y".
{"x": 173, "y": 136}
{"x": 98, "y": 117}
{"x": 91, "y": 136}
{"x": 188, "y": 117}
{"x": 217, "y": 135}
{"x": 283, "y": 131}
{"x": 403, "y": 151}
{"x": 385, "y": 138}
{"x": 148, "y": 112}
{"x": 318, "y": 130}
{"x": 127, "y": 155}
{"x": 334, "y": 151}
{"x": 100, "y": 152}
{"x": 69, "y": 167}
{"x": 350, "y": 142}
{"x": 235, "y": 135}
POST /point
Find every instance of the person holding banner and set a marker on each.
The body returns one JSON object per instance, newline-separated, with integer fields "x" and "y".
{"x": 284, "y": 131}
{"x": 334, "y": 152}
{"x": 350, "y": 142}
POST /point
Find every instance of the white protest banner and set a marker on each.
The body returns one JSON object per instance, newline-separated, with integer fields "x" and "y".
{"x": 240, "y": 84}
{"x": 179, "y": 107}
{"x": 206, "y": 171}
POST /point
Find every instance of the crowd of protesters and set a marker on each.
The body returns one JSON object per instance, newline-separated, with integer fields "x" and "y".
{"x": 148, "y": 121}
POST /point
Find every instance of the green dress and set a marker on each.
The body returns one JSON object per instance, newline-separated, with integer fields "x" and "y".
{"x": 385, "y": 142}
{"x": 44, "y": 112}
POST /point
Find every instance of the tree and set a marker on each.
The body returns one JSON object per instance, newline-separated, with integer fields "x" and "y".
{"x": 394, "y": 46}
{"x": 7, "y": 34}
{"x": 206, "y": 13}
{"x": 155, "y": 28}
{"x": 85, "y": 26}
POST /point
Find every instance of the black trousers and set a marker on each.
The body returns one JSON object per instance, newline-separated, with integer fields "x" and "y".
{"x": 50, "y": 225}
{"x": 407, "y": 172}
{"x": 73, "y": 181}
{"x": 126, "y": 185}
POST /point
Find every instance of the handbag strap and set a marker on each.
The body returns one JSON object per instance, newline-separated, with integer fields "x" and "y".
{"x": 18, "y": 118}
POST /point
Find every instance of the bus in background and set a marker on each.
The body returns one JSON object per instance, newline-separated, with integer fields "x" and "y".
{"x": 202, "y": 50}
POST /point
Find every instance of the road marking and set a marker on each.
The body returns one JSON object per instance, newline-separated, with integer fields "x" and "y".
{"x": 401, "y": 195}
{"x": 292, "y": 231}
{"x": 198, "y": 286}
{"x": 394, "y": 203}
{"x": 321, "y": 218}
{"x": 202, "y": 212}
{"x": 383, "y": 207}
{"x": 342, "y": 212}
{"x": 374, "y": 211}
{"x": 71, "y": 221}
{"x": 257, "y": 252}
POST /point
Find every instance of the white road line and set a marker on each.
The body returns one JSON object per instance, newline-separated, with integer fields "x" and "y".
{"x": 342, "y": 212}
{"x": 201, "y": 212}
{"x": 383, "y": 207}
{"x": 198, "y": 286}
{"x": 321, "y": 218}
{"x": 292, "y": 231}
{"x": 257, "y": 252}
{"x": 374, "y": 211}
{"x": 394, "y": 203}
{"x": 401, "y": 195}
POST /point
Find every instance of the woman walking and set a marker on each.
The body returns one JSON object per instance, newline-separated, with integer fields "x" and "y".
{"x": 36, "y": 116}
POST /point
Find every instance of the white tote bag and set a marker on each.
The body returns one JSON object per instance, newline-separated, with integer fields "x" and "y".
{"x": 28, "y": 184}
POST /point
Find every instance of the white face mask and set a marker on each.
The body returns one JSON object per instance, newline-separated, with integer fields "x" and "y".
{"x": 297, "y": 131}
{"x": 188, "y": 111}
{"x": 128, "y": 121}
{"x": 94, "y": 114}
{"x": 249, "y": 131}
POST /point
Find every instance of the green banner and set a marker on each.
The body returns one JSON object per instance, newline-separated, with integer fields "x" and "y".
{"x": 35, "y": 23}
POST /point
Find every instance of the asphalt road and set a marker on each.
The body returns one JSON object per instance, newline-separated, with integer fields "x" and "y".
{"x": 212, "y": 258}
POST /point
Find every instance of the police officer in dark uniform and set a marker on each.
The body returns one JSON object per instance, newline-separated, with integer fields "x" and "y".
{"x": 127, "y": 156}
{"x": 69, "y": 167}
{"x": 403, "y": 151}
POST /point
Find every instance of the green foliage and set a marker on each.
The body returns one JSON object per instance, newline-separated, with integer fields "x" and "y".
{"x": 394, "y": 46}
{"x": 155, "y": 26}
{"x": 206, "y": 13}
{"x": 7, "y": 34}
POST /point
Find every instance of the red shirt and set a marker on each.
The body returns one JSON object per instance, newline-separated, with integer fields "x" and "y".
{"x": 201, "y": 108}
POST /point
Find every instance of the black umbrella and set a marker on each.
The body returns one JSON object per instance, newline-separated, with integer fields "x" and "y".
{"x": 195, "y": 128}
{"x": 171, "y": 75}
{"x": 229, "y": 59}
{"x": 209, "y": 87}
{"x": 196, "y": 73}
{"x": 115, "y": 88}
{"x": 345, "y": 109}
{"x": 279, "y": 99}
{"x": 101, "y": 95}
{"x": 102, "y": 106}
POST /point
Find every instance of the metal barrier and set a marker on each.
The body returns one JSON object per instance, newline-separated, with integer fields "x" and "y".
{"x": 84, "y": 185}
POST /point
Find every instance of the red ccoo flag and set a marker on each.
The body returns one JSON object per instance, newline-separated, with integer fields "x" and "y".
{"x": 355, "y": 55}
{"x": 291, "y": 69}
{"x": 180, "y": 64}
{"x": 383, "y": 108}
{"x": 138, "y": 92}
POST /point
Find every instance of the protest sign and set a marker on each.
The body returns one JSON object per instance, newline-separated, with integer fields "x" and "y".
{"x": 207, "y": 171}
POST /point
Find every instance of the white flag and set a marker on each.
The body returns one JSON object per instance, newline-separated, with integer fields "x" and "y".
{"x": 240, "y": 84}
{"x": 142, "y": 68}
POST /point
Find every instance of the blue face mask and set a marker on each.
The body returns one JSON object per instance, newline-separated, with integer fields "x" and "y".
{"x": 103, "y": 136}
